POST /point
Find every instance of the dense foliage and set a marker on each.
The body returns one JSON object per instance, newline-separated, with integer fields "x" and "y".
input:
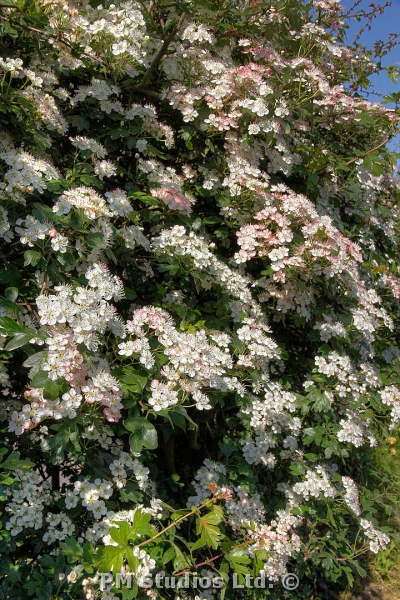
{"x": 200, "y": 299}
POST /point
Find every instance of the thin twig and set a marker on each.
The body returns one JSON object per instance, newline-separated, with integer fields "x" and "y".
{"x": 189, "y": 514}
{"x": 373, "y": 149}
{"x": 202, "y": 564}
{"x": 245, "y": 543}
{"x": 156, "y": 60}
{"x": 349, "y": 162}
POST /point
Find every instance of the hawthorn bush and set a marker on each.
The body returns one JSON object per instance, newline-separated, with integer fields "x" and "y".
{"x": 200, "y": 298}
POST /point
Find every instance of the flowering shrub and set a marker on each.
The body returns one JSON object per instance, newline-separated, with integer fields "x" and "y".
{"x": 199, "y": 303}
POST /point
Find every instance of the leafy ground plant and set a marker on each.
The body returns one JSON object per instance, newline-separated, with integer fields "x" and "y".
{"x": 199, "y": 301}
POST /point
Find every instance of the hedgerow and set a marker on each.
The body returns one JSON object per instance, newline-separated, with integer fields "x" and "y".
{"x": 200, "y": 299}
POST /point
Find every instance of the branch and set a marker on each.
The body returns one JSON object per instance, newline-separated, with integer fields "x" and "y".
{"x": 201, "y": 564}
{"x": 349, "y": 162}
{"x": 373, "y": 149}
{"x": 213, "y": 558}
{"x": 156, "y": 60}
{"x": 174, "y": 523}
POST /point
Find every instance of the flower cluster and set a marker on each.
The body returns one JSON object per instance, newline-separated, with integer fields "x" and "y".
{"x": 280, "y": 541}
{"x": 169, "y": 186}
{"x": 26, "y": 173}
{"x": 378, "y": 538}
{"x": 351, "y": 496}
{"x": 27, "y": 502}
{"x": 268, "y": 418}
{"x": 87, "y": 199}
{"x": 391, "y": 397}
{"x": 315, "y": 483}
{"x": 124, "y": 464}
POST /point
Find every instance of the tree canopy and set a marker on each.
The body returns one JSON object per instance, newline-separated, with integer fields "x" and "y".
{"x": 199, "y": 299}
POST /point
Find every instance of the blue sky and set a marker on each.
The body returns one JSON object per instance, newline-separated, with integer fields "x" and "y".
{"x": 381, "y": 26}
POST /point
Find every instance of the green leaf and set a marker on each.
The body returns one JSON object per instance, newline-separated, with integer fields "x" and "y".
{"x": 206, "y": 527}
{"x": 177, "y": 419}
{"x": 35, "y": 359}
{"x": 133, "y": 562}
{"x": 135, "y": 381}
{"x": 143, "y": 434}
{"x": 297, "y": 469}
{"x": 131, "y": 493}
{"x": 322, "y": 403}
{"x": 140, "y": 524}
{"x": 44, "y": 213}
{"x": 311, "y": 457}
{"x": 325, "y": 350}
{"x": 51, "y": 390}
{"x": 315, "y": 400}
{"x": 111, "y": 558}
{"x": 88, "y": 552}
{"x": 10, "y": 326}
{"x": 362, "y": 572}
{"x": 240, "y": 555}
{"x": 108, "y": 252}
{"x": 78, "y": 122}
{"x": 54, "y": 186}
{"x": 31, "y": 257}
{"x": 319, "y": 377}
{"x": 135, "y": 443}
{"x": 181, "y": 561}
{"x": 88, "y": 180}
{"x": 12, "y": 276}
{"x": 181, "y": 410}
{"x": 365, "y": 118}
{"x": 11, "y": 293}
{"x": 14, "y": 462}
{"x": 120, "y": 534}
{"x": 71, "y": 549}
{"x": 168, "y": 556}
{"x": 227, "y": 446}
{"x": 130, "y": 294}
{"x": 93, "y": 239}
{"x": 212, "y": 220}
{"x": 198, "y": 544}
{"x": 238, "y": 558}
{"x": 19, "y": 339}
{"x": 40, "y": 379}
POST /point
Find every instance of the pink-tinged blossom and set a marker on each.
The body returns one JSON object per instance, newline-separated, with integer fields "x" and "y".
{"x": 174, "y": 199}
